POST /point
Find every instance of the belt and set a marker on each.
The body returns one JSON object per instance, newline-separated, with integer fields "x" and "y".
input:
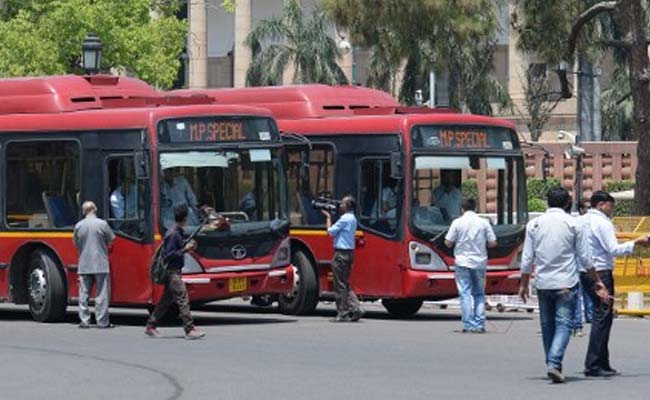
{"x": 344, "y": 250}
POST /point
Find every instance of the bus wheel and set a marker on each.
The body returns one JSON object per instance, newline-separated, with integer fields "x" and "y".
{"x": 402, "y": 307}
{"x": 48, "y": 299}
{"x": 303, "y": 297}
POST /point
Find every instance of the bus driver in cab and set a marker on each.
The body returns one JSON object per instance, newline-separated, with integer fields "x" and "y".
{"x": 447, "y": 197}
{"x": 175, "y": 190}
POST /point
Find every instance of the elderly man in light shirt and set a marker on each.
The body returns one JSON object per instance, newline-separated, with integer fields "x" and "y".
{"x": 92, "y": 237}
{"x": 604, "y": 247}
{"x": 554, "y": 242}
{"x": 471, "y": 235}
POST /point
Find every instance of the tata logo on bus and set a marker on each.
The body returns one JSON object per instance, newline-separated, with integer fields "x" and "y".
{"x": 467, "y": 139}
{"x": 216, "y": 131}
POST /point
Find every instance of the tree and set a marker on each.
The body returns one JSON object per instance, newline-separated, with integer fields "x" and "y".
{"x": 539, "y": 101}
{"x": 560, "y": 28}
{"x": 296, "y": 39}
{"x": 44, "y": 37}
{"x": 428, "y": 35}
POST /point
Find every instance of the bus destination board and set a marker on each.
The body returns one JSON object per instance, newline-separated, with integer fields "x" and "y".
{"x": 463, "y": 138}
{"x": 217, "y": 129}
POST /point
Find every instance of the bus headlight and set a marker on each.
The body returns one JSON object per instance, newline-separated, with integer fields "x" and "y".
{"x": 191, "y": 266}
{"x": 282, "y": 255}
{"x": 423, "y": 258}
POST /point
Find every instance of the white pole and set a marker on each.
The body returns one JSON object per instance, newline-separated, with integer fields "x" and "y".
{"x": 432, "y": 89}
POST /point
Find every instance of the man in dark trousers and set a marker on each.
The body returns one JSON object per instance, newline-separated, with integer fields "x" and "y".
{"x": 554, "y": 243}
{"x": 343, "y": 231}
{"x": 92, "y": 237}
{"x": 604, "y": 248}
{"x": 174, "y": 248}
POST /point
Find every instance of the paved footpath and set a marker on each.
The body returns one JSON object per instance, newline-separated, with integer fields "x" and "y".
{"x": 252, "y": 353}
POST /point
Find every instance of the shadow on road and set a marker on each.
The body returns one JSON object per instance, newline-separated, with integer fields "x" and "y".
{"x": 326, "y": 310}
{"x": 138, "y": 317}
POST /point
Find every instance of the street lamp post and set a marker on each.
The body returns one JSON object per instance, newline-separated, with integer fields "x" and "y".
{"x": 91, "y": 54}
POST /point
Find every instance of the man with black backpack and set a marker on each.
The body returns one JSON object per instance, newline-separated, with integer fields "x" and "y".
{"x": 174, "y": 249}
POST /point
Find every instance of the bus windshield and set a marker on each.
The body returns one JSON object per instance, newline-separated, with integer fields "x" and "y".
{"x": 441, "y": 182}
{"x": 243, "y": 185}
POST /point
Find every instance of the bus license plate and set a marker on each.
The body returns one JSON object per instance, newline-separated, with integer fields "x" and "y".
{"x": 237, "y": 284}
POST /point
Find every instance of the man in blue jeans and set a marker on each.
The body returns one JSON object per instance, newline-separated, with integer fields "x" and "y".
{"x": 471, "y": 235}
{"x": 554, "y": 242}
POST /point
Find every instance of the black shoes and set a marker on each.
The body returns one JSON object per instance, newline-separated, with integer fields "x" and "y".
{"x": 600, "y": 373}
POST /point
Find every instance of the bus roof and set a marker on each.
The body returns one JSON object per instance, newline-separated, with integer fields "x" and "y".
{"x": 301, "y": 101}
{"x": 65, "y": 93}
{"x": 118, "y": 118}
{"x": 341, "y": 109}
{"x": 382, "y": 124}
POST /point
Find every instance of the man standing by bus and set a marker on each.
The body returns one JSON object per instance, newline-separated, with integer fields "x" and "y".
{"x": 174, "y": 249}
{"x": 554, "y": 241}
{"x": 92, "y": 237}
{"x": 347, "y": 304}
{"x": 604, "y": 247}
{"x": 471, "y": 235}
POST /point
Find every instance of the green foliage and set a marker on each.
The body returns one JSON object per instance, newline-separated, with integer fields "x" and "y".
{"x": 469, "y": 189}
{"x": 620, "y": 186}
{"x": 537, "y": 188}
{"x": 536, "y": 205}
{"x": 45, "y": 37}
{"x": 294, "y": 38}
{"x": 543, "y": 27}
{"x": 428, "y": 35}
{"x": 617, "y": 107}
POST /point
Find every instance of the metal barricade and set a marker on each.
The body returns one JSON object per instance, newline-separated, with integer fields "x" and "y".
{"x": 632, "y": 273}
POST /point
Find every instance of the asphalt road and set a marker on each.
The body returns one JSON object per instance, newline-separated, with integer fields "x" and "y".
{"x": 251, "y": 353}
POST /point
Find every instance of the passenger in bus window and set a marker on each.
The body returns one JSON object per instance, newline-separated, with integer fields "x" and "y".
{"x": 124, "y": 201}
{"x": 175, "y": 191}
{"x": 447, "y": 197}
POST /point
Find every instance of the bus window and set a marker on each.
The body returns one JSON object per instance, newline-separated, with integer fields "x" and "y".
{"x": 42, "y": 184}
{"x": 378, "y": 197}
{"x": 126, "y": 202}
{"x": 318, "y": 181}
{"x": 438, "y": 189}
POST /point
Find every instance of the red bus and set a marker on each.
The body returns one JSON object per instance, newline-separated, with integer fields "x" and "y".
{"x": 409, "y": 169}
{"x": 136, "y": 154}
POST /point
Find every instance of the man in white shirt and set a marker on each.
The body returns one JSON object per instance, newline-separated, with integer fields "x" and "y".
{"x": 471, "y": 235}
{"x": 554, "y": 242}
{"x": 174, "y": 191}
{"x": 604, "y": 248}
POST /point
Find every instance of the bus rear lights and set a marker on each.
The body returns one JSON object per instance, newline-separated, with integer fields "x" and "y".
{"x": 282, "y": 256}
{"x": 424, "y": 258}
{"x": 192, "y": 265}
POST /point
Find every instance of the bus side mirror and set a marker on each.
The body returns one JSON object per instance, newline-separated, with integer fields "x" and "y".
{"x": 396, "y": 165}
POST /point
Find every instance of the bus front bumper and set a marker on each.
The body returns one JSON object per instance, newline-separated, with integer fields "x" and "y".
{"x": 214, "y": 286}
{"x": 440, "y": 285}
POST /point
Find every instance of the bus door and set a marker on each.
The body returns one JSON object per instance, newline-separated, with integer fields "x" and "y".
{"x": 126, "y": 198}
{"x": 377, "y": 266}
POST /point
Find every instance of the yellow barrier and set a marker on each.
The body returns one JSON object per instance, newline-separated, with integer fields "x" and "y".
{"x": 632, "y": 273}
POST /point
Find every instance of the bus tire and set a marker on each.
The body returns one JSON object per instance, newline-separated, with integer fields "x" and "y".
{"x": 303, "y": 298}
{"x": 402, "y": 307}
{"x": 46, "y": 288}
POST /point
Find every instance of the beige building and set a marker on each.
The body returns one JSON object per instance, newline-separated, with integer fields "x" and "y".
{"x": 217, "y": 56}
